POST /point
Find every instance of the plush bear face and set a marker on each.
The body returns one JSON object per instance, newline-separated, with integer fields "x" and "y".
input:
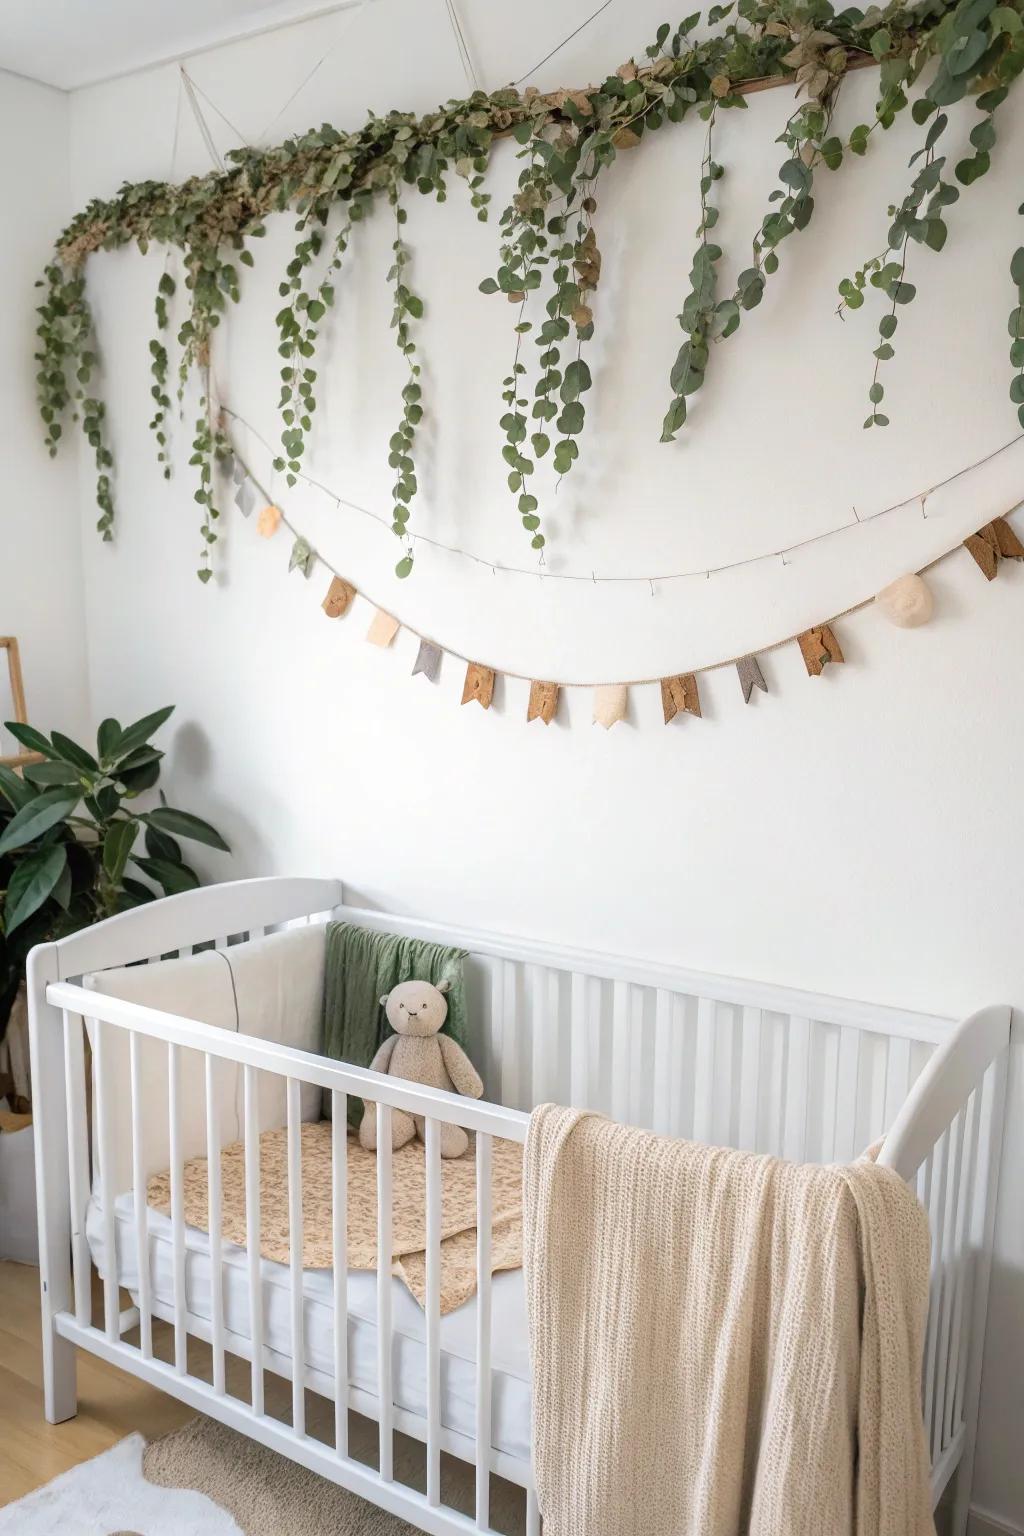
{"x": 416, "y": 1008}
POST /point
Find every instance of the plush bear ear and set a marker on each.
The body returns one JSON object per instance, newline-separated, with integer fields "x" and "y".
{"x": 384, "y": 999}
{"x": 444, "y": 987}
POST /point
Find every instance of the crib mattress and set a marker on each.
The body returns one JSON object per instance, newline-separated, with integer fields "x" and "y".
{"x": 510, "y": 1408}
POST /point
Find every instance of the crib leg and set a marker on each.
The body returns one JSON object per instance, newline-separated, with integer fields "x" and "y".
{"x": 53, "y": 1188}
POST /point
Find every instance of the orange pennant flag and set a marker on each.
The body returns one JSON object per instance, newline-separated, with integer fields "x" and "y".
{"x": 543, "y": 702}
{"x": 339, "y": 598}
{"x": 383, "y": 628}
{"x": 479, "y": 685}
{"x": 818, "y": 647}
{"x": 679, "y": 695}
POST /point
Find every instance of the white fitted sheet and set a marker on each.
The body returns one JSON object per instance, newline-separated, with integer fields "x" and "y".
{"x": 510, "y": 1407}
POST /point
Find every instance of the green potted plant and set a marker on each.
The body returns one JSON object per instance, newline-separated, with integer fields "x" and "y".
{"x": 70, "y": 851}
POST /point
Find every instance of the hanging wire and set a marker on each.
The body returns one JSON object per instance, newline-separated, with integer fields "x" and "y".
{"x": 462, "y": 46}
{"x": 857, "y": 521}
{"x": 582, "y": 26}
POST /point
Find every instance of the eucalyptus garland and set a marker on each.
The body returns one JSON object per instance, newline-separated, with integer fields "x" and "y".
{"x": 930, "y": 56}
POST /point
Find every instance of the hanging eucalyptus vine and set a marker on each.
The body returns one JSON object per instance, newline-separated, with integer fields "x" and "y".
{"x": 549, "y": 253}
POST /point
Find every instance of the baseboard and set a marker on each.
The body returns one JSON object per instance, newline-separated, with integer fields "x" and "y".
{"x": 983, "y": 1523}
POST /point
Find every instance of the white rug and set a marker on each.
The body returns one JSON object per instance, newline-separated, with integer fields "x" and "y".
{"x": 109, "y": 1496}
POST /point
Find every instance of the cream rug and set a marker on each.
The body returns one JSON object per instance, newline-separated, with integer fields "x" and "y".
{"x": 206, "y": 1480}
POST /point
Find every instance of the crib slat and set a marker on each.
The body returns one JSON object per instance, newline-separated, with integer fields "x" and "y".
{"x": 621, "y": 1030}
{"x": 339, "y": 1245}
{"x": 829, "y": 1091}
{"x": 433, "y": 1318}
{"x": 214, "y": 1217}
{"x": 847, "y": 1080}
{"x": 960, "y": 1262}
{"x": 795, "y": 1133}
{"x": 578, "y": 1040}
{"x": 139, "y": 1202}
{"x": 662, "y": 1106}
{"x": 385, "y": 1390}
{"x": 177, "y": 1206}
{"x": 704, "y": 1071}
{"x": 78, "y": 1162}
{"x": 104, "y": 1131}
{"x": 484, "y": 1150}
{"x": 510, "y": 1087}
{"x": 897, "y": 1079}
{"x": 949, "y": 1215}
{"x": 750, "y": 1079}
{"x": 935, "y": 1216}
{"x": 250, "y": 1111}
{"x": 294, "y": 1122}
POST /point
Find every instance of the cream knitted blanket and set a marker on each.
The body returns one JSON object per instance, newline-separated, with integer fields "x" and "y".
{"x": 722, "y": 1343}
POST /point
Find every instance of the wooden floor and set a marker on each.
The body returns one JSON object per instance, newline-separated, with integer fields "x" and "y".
{"x": 110, "y": 1403}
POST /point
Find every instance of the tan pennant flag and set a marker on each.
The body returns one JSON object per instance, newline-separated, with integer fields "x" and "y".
{"x": 339, "y": 597}
{"x": 748, "y": 670}
{"x": 479, "y": 685}
{"x": 383, "y": 628}
{"x": 995, "y": 541}
{"x": 543, "y": 702}
{"x": 428, "y": 660}
{"x": 679, "y": 695}
{"x": 818, "y": 647}
{"x": 610, "y": 701}
{"x": 268, "y": 521}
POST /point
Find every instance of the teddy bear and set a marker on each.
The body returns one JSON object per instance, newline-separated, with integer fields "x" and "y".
{"x": 418, "y": 1052}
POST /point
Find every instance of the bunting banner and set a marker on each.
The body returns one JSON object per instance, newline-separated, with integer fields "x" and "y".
{"x": 906, "y": 602}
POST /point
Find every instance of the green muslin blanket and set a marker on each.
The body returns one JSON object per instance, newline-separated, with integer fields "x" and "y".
{"x": 361, "y": 967}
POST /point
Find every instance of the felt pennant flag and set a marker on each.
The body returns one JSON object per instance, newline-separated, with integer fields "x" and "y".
{"x": 339, "y": 597}
{"x": 819, "y": 647}
{"x": 302, "y": 558}
{"x": 269, "y": 521}
{"x": 245, "y": 497}
{"x": 383, "y": 629}
{"x": 428, "y": 660}
{"x": 679, "y": 695}
{"x": 748, "y": 669}
{"x": 995, "y": 541}
{"x": 239, "y": 473}
{"x": 610, "y": 702}
{"x": 479, "y": 685}
{"x": 543, "y": 702}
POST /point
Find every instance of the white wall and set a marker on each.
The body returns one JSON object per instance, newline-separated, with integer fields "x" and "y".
{"x": 860, "y": 833}
{"x": 40, "y": 554}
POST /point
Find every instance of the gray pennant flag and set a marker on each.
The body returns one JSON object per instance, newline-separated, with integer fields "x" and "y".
{"x": 750, "y": 676}
{"x": 428, "y": 660}
{"x": 245, "y": 497}
{"x": 238, "y": 471}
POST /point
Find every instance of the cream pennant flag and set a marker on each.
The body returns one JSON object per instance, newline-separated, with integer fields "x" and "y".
{"x": 679, "y": 695}
{"x": 818, "y": 647}
{"x": 268, "y": 521}
{"x": 479, "y": 685}
{"x": 383, "y": 628}
{"x": 748, "y": 669}
{"x": 428, "y": 660}
{"x": 245, "y": 497}
{"x": 339, "y": 597}
{"x": 610, "y": 701}
{"x": 543, "y": 702}
{"x": 302, "y": 558}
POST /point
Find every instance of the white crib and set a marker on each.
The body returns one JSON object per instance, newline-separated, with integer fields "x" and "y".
{"x": 731, "y": 1062}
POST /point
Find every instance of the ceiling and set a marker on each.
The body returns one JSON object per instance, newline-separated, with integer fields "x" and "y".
{"x": 71, "y": 43}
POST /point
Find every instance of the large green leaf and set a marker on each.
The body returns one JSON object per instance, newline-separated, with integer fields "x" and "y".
{"x": 46, "y": 774}
{"x": 14, "y": 789}
{"x": 70, "y": 752}
{"x": 40, "y": 814}
{"x": 183, "y": 824}
{"x": 29, "y": 737}
{"x": 172, "y": 877}
{"x": 138, "y": 734}
{"x": 107, "y": 737}
{"x": 31, "y": 883}
{"x": 135, "y": 780}
{"x": 160, "y": 846}
{"x": 117, "y": 845}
